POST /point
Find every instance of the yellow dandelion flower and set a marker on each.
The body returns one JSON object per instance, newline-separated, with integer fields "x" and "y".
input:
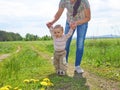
{"x": 36, "y": 80}
{"x": 32, "y": 80}
{"x": 50, "y": 84}
{"x": 16, "y": 88}
{"x": 4, "y": 88}
{"x": 26, "y": 81}
{"x": 46, "y": 80}
{"x": 42, "y": 88}
{"x": 8, "y": 86}
{"x": 43, "y": 83}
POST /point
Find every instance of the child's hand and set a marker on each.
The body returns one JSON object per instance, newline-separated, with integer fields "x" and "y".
{"x": 73, "y": 25}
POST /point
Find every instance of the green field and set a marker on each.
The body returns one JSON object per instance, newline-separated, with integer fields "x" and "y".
{"x": 32, "y": 61}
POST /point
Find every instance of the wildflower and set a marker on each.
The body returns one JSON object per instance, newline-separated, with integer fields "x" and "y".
{"x": 50, "y": 84}
{"x": 42, "y": 88}
{"x": 26, "y": 81}
{"x": 43, "y": 83}
{"x": 8, "y": 86}
{"x": 46, "y": 80}
{"x": 34, "y": 80}
{"x": 4, "y": 88}
{"x": 16, "y": 88}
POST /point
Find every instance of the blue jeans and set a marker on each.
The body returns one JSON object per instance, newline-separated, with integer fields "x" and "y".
{"x": 81, "y": 33}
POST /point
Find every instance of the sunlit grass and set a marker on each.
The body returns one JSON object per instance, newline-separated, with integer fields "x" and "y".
{"x": 25, "y": 64}
{"x": 7, "y": 47}
{"x": 102, "y": 56}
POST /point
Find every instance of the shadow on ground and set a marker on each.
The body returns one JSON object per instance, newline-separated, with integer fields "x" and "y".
{"x": 75, "y": 82}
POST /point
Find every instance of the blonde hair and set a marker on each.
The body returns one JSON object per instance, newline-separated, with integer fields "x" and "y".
{"x": 58, "y": 26}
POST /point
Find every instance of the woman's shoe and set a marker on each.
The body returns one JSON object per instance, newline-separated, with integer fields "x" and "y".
{"x": 78, "y": 69}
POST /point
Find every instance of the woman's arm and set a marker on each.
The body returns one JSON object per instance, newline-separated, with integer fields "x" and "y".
{"x": 56, "y": 17}
{"x": 87, "y": 17}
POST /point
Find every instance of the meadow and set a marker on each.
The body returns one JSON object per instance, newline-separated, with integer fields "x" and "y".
{"x": 33, "y": 63}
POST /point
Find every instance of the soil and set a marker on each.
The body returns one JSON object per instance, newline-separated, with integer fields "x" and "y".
{"x": 95, "y": 82}
{"x": 4, "y": 56}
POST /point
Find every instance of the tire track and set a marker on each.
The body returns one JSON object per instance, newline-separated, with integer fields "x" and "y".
{"x": 4, "y": 56}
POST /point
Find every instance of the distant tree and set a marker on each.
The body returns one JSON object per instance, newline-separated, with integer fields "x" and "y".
{"x": 46, "y": 37}
{"x": 9, "y": 36}
{"x": 31, "y": 37}
{"x": 3, "y": 36}
{"x": 18, "y": 36}
{"x": 36, "y": 37}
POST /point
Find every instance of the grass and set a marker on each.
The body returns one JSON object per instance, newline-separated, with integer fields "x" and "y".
{"x": 101, "y": 56}
{"x": 7, "y": 47}
{"x": 26, "y": 64}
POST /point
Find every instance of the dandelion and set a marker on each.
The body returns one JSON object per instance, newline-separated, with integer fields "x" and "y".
{"x": 26, "y": 81}
{"x": 42, "y": 88}
{"x": 8, "y": 86}
{"x": 16, "y": 88}
{"x": 46, "y": 83}
{"x": 46, "y": 80}
{"x": 4, "y": 88}
{"x": 50, "y": 84}
{"x": 19, "y": 89}
{"x": 43, "y": 83}
{"x": 34, "y": 80}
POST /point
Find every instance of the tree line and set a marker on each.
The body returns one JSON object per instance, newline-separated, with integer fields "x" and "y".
{"x": 10, "y": 36}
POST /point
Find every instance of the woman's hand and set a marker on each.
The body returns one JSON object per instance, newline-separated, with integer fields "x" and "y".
{"x": 73, "y": 25}
{"x": 49, "y": 24}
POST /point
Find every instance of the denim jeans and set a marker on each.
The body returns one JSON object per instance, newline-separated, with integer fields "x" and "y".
{"x": 81, "y": 33}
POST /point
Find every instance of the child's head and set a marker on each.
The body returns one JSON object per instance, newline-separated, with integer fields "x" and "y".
{"x": 58, "y": 31}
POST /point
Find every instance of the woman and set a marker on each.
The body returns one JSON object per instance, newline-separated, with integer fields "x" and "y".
{"x": 78, "y": 12}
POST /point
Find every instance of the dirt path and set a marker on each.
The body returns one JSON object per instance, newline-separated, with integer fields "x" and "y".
{"x": 4, "y": 56}
{"x": 102, "y": 84}
{"x": 94, "y": 82}
{"x": 44, "y": 55}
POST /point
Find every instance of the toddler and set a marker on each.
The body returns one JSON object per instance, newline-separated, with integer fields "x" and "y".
{"x": 59, "y": 39}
